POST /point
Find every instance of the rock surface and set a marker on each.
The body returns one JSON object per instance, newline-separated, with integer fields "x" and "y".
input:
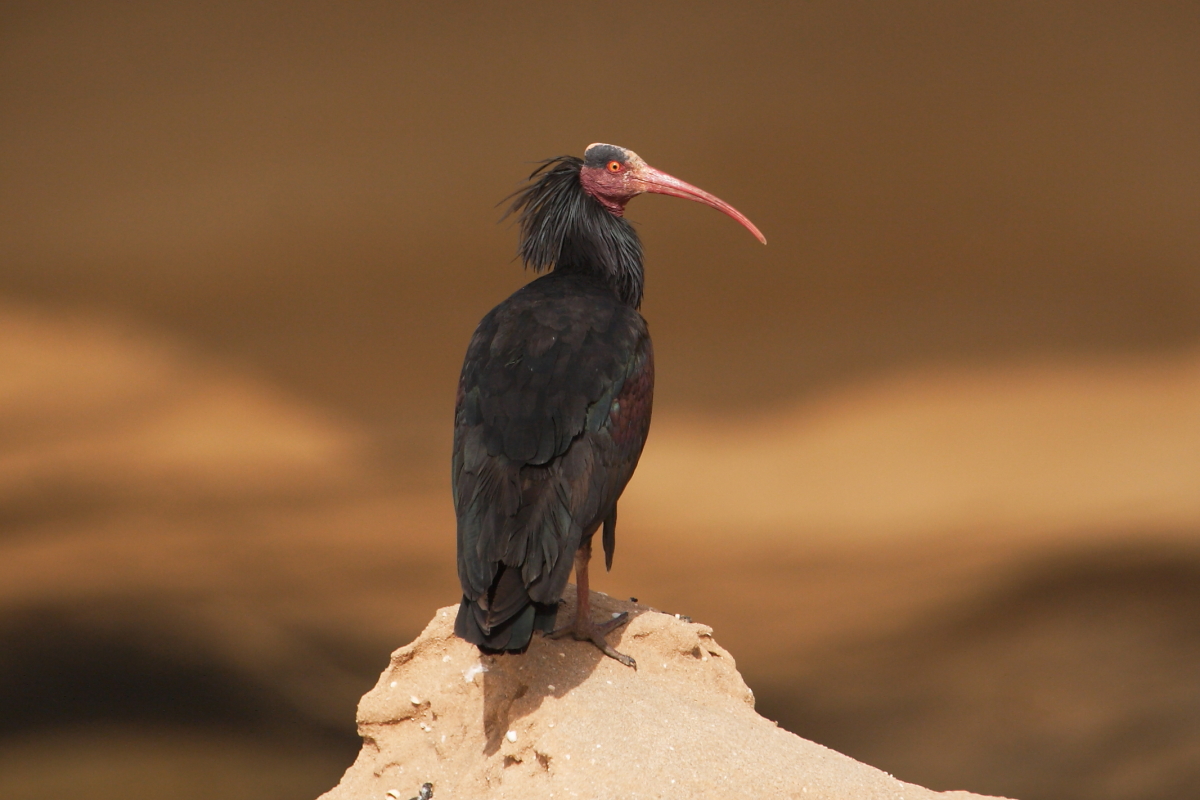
{"x": 564, "y": 721}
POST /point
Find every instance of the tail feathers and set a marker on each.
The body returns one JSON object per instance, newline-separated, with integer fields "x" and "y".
{"x": 511, "y": 635}
{"x": 506, "y": 617}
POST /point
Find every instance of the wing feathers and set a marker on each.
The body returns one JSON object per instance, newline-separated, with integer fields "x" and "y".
{"x": 536, "y": 466}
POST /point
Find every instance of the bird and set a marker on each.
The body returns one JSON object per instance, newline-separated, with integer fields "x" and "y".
{"x": 554, "y": 401}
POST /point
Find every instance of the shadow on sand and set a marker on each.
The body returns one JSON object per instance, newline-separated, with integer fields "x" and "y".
{"x": 515, "y": 685}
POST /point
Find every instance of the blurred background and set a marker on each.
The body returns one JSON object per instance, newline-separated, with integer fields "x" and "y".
{"x": 929, "y": 463}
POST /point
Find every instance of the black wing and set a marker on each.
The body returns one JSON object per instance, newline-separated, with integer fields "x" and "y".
{"x": 553, "y": 408}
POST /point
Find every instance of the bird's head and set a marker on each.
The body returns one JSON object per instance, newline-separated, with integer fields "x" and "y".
{"x": 614, "y": 176}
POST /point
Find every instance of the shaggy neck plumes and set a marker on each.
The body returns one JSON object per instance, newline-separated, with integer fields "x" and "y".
{"x": 565, "y": 229}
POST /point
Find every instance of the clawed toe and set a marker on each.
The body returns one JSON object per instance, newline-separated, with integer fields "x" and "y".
{"x": 559, "y": 633}
{"x": 591, "y": 632}
{"x": 612, "y": 624}
{"x": 608, "y": 650}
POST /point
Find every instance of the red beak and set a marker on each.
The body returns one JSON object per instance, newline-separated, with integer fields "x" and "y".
{"x": 652, "y": 180}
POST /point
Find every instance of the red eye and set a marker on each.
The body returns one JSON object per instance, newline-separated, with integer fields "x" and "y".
{"x": 614, "y": 166}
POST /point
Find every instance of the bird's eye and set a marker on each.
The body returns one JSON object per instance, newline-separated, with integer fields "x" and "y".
{"x": 614, "y": 166}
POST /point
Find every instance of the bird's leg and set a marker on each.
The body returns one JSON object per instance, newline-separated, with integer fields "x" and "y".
{"x": 583, "y": 629}
{"x": 583, "y": 606}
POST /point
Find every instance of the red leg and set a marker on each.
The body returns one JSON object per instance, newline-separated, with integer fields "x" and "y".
{"x": 583, "y": 629}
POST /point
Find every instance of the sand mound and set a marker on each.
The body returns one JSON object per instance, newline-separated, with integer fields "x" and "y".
{"x": 563, "y": 721}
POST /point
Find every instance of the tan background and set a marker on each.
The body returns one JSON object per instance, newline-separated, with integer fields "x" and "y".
{"x": 929, "y": 462}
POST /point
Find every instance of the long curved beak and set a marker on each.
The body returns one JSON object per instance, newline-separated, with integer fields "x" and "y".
{"x": 659, "y": 182}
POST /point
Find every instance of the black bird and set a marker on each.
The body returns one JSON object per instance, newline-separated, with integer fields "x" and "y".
{"x": 554, "y": 401}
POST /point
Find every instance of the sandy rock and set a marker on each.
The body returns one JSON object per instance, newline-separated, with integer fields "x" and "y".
{"x": 564, "y": 721}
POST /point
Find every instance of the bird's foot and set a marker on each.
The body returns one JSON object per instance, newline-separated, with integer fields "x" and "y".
{"x": 584, "y": 630}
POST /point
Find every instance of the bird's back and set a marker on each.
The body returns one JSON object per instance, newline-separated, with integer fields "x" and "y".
{"x": 553, "y": 408}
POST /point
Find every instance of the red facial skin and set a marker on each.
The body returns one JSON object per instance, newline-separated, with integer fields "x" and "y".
{"x": 618, "y": 182}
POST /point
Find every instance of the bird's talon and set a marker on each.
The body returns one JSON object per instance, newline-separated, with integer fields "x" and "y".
{"x": 591, "y": 632}
{"x": 608, "y": 650}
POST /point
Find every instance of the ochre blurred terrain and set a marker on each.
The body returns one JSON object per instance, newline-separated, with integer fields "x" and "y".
{"x": 929, "y": 463}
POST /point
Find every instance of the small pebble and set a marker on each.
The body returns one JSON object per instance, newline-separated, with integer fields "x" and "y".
{"x": 445, "y": 659}
{"x": 393, "y": 684}
{"x": 412, "y": 699}
{"x": 633, "y": 599}
{"x": 616, "y": 614}
{"x": 393, "y": 794}
{"x": 511, "y": 736}
{"x": 551, "y": 687}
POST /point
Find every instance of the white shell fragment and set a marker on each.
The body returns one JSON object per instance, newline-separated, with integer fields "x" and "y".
{"x": 471, "y": 672}
{"x": 394, "y": 794}
{"x": 414, "y": 700}
{"x": 511, "y": 736}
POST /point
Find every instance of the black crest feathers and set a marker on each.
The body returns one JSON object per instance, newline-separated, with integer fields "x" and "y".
{"x": 563, "y": 228}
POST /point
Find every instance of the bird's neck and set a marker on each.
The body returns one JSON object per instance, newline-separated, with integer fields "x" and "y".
{"x": 567, "y": 229}
{"x": 606, "y": 247}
